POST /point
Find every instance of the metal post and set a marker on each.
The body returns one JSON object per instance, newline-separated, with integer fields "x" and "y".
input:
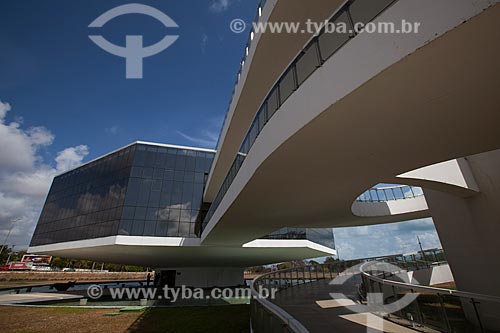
{"x": 444, "y": 313}
{"x": 477, "y": 314}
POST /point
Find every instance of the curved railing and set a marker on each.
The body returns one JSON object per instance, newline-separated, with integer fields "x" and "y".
{"x": 318, "y": 50}
{"x": 390, "y": 193}
{"x": 444, "y": 310}
{"x": 267, "y": 316}
{"x": 246, "y": 52}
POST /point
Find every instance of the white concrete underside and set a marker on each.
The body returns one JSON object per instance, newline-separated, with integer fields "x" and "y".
{"x": 434, "y": 92}
{"x": 183, "y": 252}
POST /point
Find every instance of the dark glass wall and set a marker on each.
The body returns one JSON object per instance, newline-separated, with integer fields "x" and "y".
{"x": 165, "y": 192}
{"x": 85, "y": 202}
{"x": 321, "y": 236}
{"x": 141, "y": 190}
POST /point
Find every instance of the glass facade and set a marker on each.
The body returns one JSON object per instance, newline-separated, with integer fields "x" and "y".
{"x": 140, "y": 190}
{"x": 320, "y": 236}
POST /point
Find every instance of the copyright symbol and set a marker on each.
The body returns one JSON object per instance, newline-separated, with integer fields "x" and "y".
{"x": 94, "y": 291}
{"x": 238, "y": 26}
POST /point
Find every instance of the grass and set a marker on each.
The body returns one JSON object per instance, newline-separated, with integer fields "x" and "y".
{"x": 233, "y": 318}
{"x": 49, "y": 320}
{"x": 229, "y": 318}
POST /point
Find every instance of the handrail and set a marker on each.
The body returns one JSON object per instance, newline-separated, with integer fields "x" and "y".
{"x": 285, "y": 86}
{"x": 284, "y": 316}
{"x": 285, "y": 278}
{"x": 390, "y": 193}
{"x": 251, "y": 35}
{"x": 416, "y": 287}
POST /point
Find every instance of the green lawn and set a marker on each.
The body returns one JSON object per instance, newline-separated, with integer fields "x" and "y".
{"x": 233, "y": 318}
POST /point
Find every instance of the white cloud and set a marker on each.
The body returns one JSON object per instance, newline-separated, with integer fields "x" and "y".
{"x": 219, "y": 6}
{"x": 386, "y": 239}
{"x": 113, "y": 130}
{"x": 204, "y": 42}
{"x": 70, "y": 158}
{"x": 4, "y": 108}
{"x": 24, "y": 177}
{"x": 207, "y": 139}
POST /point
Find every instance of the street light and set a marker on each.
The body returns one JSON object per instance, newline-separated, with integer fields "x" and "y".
{"x": 8, "y": 234}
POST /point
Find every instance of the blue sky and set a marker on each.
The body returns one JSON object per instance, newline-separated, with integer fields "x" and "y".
{"x": 64, "y": 101}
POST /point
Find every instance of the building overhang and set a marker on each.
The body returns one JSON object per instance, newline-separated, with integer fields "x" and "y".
{"x": 183, "y": 252}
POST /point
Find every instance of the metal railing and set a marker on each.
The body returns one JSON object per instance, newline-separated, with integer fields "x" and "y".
{"x": 444, "y": 310}
{"x": 248, "y": 44}
{"x": 390, "y": 193}
{"x": 267, "y": 316}
{"x": 317, "y": 51}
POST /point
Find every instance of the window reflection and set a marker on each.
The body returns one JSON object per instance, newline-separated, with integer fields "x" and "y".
{"x": 141, "y": 190}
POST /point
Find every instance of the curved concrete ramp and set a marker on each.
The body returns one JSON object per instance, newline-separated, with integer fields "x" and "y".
{"x": 320, "y": 149}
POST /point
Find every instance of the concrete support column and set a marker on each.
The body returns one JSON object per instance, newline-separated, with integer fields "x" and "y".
{"x": 469, "y": 230}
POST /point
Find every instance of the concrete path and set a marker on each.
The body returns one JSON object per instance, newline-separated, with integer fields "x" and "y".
{"x": 312, "y": 305}
{"x": 34, "y": 297}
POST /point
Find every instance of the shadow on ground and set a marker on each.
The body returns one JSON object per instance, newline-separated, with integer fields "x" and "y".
{"x": 229, "y": 318}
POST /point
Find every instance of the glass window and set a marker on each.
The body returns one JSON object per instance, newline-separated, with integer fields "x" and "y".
{"x": 125, "y": 227}
{"x": 180, "y": 162}
{"x": 140, "y": 213}
{"x": 329, "y": 43}
{"x": 176, "y": 193}
{"x": 154, "y": 199}
{"x": 161, "y": 159}
{"x": 163, "y": 214}
{"x": 156, "y": 185}
{"x": 272, "y": 103}
{"x": 169, "y": 175}
{"x": 147, "y": 173}
{"x": 185, "y": 215}
{"x": 152, "y": 214}
{"x": 287, "y": 85}
{"x": 149, "y": 228}
{"x": 307, "y": 63}
{"x": 171, "y": 160}
{"x": 144, "y": 192}
{"x": 187, "y": 193}
{"x": 136, "y": 172}
{"x": 262, "y": 116}
{"x": 199, "y": 177}
{"x": 158, "y": 173}
{"x": 179, "y": 175}
{"x": 161, "y": 229}
{"x": 184, "y": 229}
{"x": 150, "y": 158}
{"x": 189, "y": 176}
{"x": 190, "y": 163}
{"x": 364, "y": 11}
{"x": 173, "y": 229}
{"x": 174, "y": 215}
{"x": 138, "y": 228}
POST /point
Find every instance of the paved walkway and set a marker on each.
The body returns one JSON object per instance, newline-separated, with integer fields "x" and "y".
{"x": 34, "y": 297}
{"x": 312, "y": 305}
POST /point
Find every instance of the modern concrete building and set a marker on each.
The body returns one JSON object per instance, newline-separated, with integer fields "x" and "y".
{"x": 316, "y": 121}
{"x": 142, "y": 205}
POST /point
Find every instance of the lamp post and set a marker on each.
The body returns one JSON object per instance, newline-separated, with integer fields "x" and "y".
{"x": 8, "y": 234}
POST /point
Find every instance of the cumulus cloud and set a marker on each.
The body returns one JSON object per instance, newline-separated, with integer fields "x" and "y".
{"x": 219, "y": 6}
{"x": 24, "y": 176}
{"x": 70, "y": 158}
{"x": 386, "y": 239}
